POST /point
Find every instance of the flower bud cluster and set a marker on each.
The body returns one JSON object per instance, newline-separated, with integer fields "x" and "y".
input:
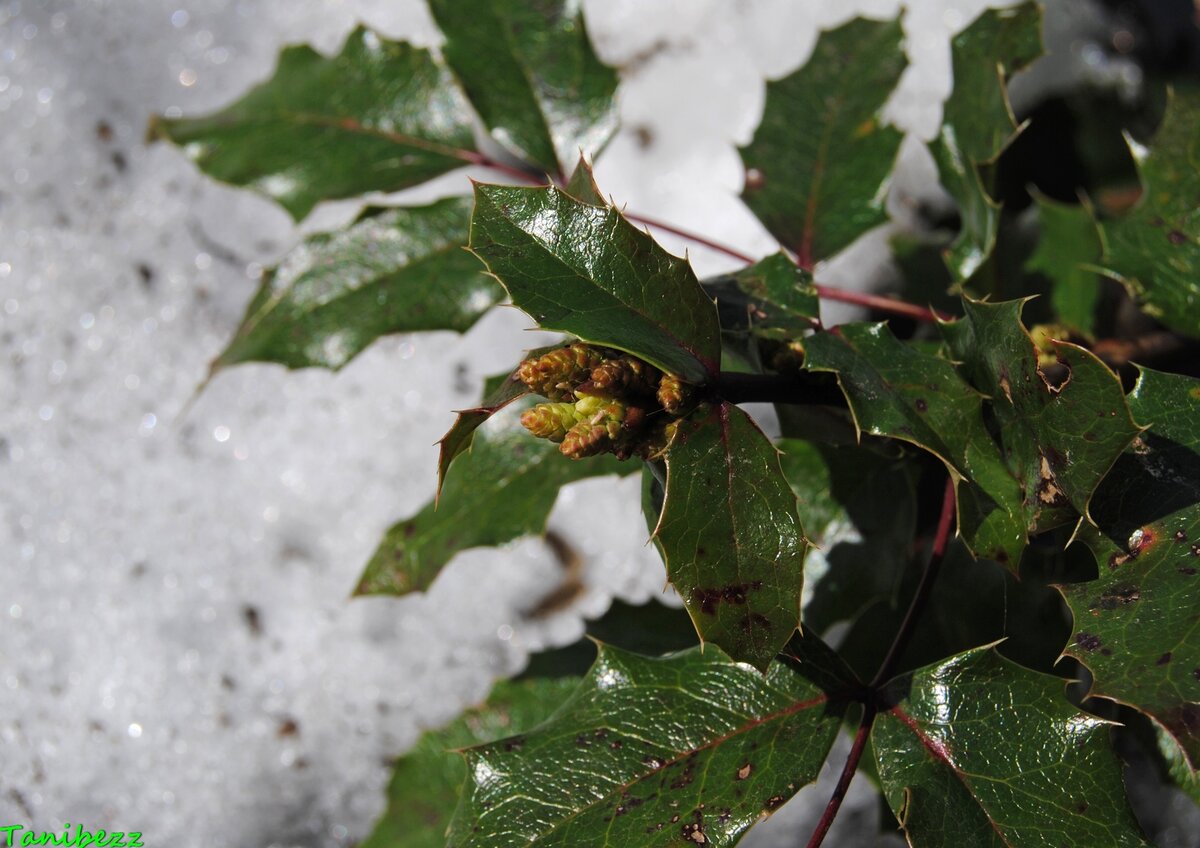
{"x": 603, "y": 401}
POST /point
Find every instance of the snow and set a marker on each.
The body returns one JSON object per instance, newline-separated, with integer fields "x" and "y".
{"x": 178, "y": 652}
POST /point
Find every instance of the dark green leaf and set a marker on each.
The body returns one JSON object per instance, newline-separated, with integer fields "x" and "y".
{"x": 1155, "y": 250}
{"x": 897, "y": 391}
{"x": 977, "y": 122}
{"x": 530, "y": 72}
{"x": 729, "y": 534}
{"x": 1136, "y": 625}
{"x": 380, "y": 116}
{"x": 426, "y": 781}
{"x": 979, "y": 751}
{"x": 1068, "y": 251}
{"x": 686, "y": 749}
{"x": 582, "y": 185}
{"x": 1060, "y": 431}
{"x": 586, "y": 270}
{"x": 818, "y": 167}
{"x": 502, "y": 490}
{"x": 394, "y": 270}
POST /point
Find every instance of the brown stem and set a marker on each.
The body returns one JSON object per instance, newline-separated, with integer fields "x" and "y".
{"x": 847, "y": 775}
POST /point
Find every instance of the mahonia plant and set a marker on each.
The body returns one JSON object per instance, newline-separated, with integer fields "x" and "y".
{"x": 973, "y": 500}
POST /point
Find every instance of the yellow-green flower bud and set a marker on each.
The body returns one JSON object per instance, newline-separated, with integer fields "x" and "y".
{"x": 550, "y": 420}
{"x": 555, "y": 375}
{"x": 626, "y": 376}
{"x": 675, "y": 395}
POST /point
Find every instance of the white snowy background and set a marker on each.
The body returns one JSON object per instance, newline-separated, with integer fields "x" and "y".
{"x": 178, "y": 651}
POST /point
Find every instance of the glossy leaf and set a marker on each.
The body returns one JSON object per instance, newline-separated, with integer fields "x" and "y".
{"x": 979, "y": 751}
{"x": 1135, "y": 626}
{"x": 426, "y": 781}
{"x": 380, "y": 116}
{"x": 977, "y": 122}
{"x": 1061, "y": 432}
{"x": 582, "y": 185}
{"x": 818, "y": 167}
{"x": 394, "y": 270}
{"x": 1155, "y": 249}
{"x": 897, "y": 391}
{"x": 1067, "y": 253}
{"x": 690, "y": 748}
{"x": 587, "y": 271}
{"x": 530, "y": 72}
{"x": 730, "y": 536}
{"x": 502, "y": 490}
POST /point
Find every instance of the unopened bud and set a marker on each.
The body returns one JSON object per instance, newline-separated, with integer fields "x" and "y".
{"x": 555, "y": 375}
{"x": 674, "y": 394}
{"x": 550, "y": 420}
{"x": 626, "y": 376}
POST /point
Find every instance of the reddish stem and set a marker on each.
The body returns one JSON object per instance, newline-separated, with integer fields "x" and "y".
{"x": 883, "y": 304}
{"x": 693, "y": 237}
{"x": 844, "y": 779}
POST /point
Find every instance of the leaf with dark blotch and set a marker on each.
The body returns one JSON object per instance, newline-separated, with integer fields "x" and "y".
{"x": 380, "y": 116}
{"x": 1067, "y": 253}
{"x": 1155, "y": 249}
{"x": 1135, "y": 626}
{"x": 729, "y": 534}
{"x": 426, "y": 781}
{"x": 530, "y": 72}
{"x": 979, "y": 751}
{"x": 1061, "y": 424}
{"x": 585, "y": 270}
{"x": 394, "y": 270}
{"x": 501, "y": 490}
{"x": 687, "y": 749}
{"x": 582, "y": 185}
{"x": 897, "y": 391}
{"x": 977, "y": 122}
{"x": 818, "y": 168}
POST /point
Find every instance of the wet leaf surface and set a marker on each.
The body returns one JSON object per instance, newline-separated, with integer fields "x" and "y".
{"x": 687, "y": 749}
{"x": 817, "y": 170}
{"x": 1067, "y": 254}
{"x": 979, "y": 751}
{"x": 379, "y": 116}
{"x": 1136, "y": 625}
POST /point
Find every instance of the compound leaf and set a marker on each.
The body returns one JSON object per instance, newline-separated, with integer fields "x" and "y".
{"x": 979, "y": 751}
{"x": 1136, "y": 625}
{"x": 1155, "y": 249}
{"x": 501, "y": 490}
{"x": 819, "y": 164}
{"x": 394, "y": 270}
{"x": 1067, "y": 253}
{"x": 729, "y": 534}
{"x": 690, "y": 748}
{"x": 379, "y": 116}
{"x": 977, "y": 122}
{"x": 530, "y": 72}
{"x": 585, "y": 270}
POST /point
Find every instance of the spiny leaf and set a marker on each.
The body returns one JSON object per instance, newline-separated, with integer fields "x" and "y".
{"x": 380, "y": 116}
{"x": 394, "y": 270}
{"x": 582, "y": 185}
{"x": 530, "y": 72}
{"x": 819, "y": 164}
{"x": 426, "y": 781}
{"x": 1136, "y": 625}
{"x": 688, "y": 749}
{"x": 1155, "y": 249}
{"x": 730, "y": 536}
{"x": 1059, "y": 434}
{"x": 979, "y": 751}
{"x": 502, "y": 490}
{"x": 1067, "y": 253}
{"x": 586, "y": 270}
{"x": 977, "y": 122}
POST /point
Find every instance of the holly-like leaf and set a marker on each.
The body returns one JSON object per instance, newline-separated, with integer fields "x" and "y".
{"x": 502, "y": 490}
{"x": 979, "y": 751}
{"x": 730, "y": 536}
{"x": 1060, "y": 432}
{"x": 1067, "y": 253}
{"x": 530, "y": 72}
{"x": 394, "y": 270}
{"x": 897, "y": 391}
{"x": 582, "y": 185}
{"x": 423, "y": 792}
{"x": 1135, "y": 626}
{"x": 817, "y": 170}
{"x": 687, "y": 749}
{"x": 585, "y": 270}
{"x": 1155, "y": 249}
{"x": 380, "y": 116}
{"x": 977, "y": 122}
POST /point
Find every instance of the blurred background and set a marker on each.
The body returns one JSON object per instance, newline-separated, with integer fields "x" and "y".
{"x": 179, "y": 654}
